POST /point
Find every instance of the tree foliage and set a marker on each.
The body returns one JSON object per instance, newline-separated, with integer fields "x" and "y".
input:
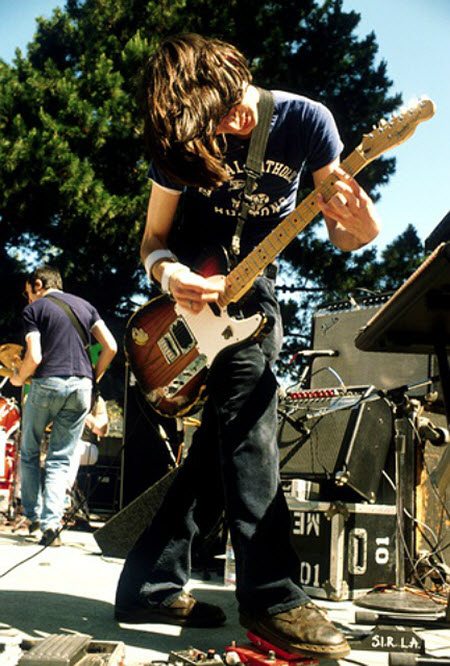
{"x": 73, "y": 186}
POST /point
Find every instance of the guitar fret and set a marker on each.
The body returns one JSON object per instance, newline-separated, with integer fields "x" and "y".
{"x": 290, "y": 219}
{"x": 282, "y": 234}
{"x": 275, "y": 242}
{"x": 327, "y": 189}
{"x": 350, "y": 170}
{"x": 263, "y": 254}
{"x": 249, "y": 270}
{"x": 255, "y": 259}
{"x": 293, "y": 222}
{"x": 354, "y": 163}
{"x": 301, "y": 222}
{"x": 259, "y": 257}
{"x": 303, "y": 219}
{"x": 311, "y": 210}
{"x": 240, "y": 276}
{"x": 252, "y": 258}
{"x": 243, "y": 272}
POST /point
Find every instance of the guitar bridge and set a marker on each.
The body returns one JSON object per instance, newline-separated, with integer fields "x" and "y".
{"x": 185, "y": 376}
{"x": 177, "y": 341}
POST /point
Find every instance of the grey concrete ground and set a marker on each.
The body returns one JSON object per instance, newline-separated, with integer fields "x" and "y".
{"x": 71, "y": 589}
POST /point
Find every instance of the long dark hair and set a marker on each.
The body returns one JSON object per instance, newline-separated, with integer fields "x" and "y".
{"x": 190, "y": 85}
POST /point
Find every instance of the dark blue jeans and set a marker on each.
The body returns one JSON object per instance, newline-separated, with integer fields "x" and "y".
{"x": 232, "y": 462}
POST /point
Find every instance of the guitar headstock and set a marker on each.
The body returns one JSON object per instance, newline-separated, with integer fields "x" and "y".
{"x": 397, "y": 130}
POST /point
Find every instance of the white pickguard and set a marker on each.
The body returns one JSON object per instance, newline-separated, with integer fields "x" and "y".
{"x": 214, "y": 333}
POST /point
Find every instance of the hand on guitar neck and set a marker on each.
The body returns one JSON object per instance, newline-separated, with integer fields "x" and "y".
{"x": 350, "y": 213}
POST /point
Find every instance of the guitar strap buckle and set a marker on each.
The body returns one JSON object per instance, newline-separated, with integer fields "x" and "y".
{"x": 252, "y": 173}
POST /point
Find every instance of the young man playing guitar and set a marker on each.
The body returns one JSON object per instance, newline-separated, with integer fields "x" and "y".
{"x": 201, "y": 111}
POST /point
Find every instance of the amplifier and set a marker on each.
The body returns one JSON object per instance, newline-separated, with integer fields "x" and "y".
{"x": 100, "y": 485}
{"x": 335, "y": 327}
{"x": 336, "y": 435}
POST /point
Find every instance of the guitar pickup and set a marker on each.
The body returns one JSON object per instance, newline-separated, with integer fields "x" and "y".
{"x": 177, "y": 341}
{"x": 182, "y": 335}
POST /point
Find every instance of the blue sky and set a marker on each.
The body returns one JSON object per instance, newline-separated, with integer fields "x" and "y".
{"x": 412, "y": 36}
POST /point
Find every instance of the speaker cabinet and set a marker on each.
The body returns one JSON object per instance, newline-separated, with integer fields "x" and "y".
{"x": 100, "y": 483}
{"x": 336, "y": 327}
{"x": 339, "y": 437}
{"x": 121, "y": 532}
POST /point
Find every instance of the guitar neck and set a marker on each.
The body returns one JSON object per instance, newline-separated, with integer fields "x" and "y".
{"x": 241, "y": 278}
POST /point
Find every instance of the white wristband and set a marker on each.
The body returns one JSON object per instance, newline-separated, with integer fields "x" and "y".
{"x": 155, "y": 256}
{"x": 168, "y": 270}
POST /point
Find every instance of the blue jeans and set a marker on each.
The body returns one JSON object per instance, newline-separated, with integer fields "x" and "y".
{"x": 232, "y": 462}
{"x": 64, "y": 402}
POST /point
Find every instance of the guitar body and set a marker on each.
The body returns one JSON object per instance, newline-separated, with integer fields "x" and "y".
{"x": 170, "y": 349}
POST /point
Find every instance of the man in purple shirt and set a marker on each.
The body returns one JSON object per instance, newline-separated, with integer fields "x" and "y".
{"x": 62, "y": 376}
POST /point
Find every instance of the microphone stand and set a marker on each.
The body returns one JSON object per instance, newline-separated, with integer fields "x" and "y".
{"x": 310, "y": 355}
{"x": 399, "y": 599}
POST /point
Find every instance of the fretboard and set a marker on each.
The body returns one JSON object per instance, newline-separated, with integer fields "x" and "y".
{"x": 241, "y": 278}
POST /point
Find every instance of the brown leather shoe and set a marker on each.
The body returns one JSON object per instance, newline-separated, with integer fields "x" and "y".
{"x": 184, "y": 611}
{"x": 304, "y": 629}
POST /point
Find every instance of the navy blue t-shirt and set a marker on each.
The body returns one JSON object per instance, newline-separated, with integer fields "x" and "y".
{"x": 303, "y": 132}
{"x": 63, "y": 354}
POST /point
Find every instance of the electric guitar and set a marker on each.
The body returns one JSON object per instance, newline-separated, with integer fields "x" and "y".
{"x": 170, "y": 349}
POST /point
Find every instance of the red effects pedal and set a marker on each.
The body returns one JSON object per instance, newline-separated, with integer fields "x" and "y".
{"x": 262, "y": 653}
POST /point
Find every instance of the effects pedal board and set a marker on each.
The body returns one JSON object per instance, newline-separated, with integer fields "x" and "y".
{"x": 194, "y": 657}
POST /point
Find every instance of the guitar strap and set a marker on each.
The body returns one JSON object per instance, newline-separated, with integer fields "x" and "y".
{"x": 253, "y": 166}
{"x": 74, "y": 319}
{"x": 83, "y": 335}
